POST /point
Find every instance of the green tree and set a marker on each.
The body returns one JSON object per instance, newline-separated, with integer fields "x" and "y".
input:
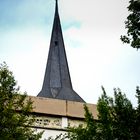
{"x": 123, "y": 117}
{"x": 117, "y": 120}
{"x": 132, "y": 24}
{"x": 116, "y": 116}
{"x": 104, "y": 107}
{"x": 87, "y": 132}
{"x": 137, "y": 127}
{"x": 15, "y": 110}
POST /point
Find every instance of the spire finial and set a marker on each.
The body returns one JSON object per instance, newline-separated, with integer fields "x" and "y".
{"x": 56, "y": 6}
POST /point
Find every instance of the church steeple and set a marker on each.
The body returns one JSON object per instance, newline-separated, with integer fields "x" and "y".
{"x": 57, "y": 82}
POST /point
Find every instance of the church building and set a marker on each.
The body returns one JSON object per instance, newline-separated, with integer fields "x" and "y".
{"x": 57, "y": 105}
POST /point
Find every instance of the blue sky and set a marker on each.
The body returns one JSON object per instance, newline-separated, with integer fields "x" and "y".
{"x": 91, "y": 30}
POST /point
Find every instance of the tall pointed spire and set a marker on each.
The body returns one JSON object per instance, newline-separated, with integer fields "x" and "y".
{"x": 56, "y": 6}
{"x": 57, "y": 82}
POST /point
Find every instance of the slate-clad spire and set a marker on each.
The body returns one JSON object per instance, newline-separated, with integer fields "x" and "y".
{"x": 57, "y": 81}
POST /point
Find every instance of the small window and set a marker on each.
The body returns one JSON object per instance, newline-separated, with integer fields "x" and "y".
{"x": 56, "y": 43}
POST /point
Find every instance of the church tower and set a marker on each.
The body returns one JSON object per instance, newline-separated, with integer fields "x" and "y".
{"x": 57, "y": 82}
{"x": 58, "y": 106}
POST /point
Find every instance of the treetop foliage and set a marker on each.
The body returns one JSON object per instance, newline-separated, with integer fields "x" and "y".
{"x": 15, "y": 110}
{"x": 132, "y": 24}
{"x": 117, "y": 120}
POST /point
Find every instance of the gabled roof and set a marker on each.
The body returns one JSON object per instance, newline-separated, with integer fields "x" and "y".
{"x": 57, "y": 82}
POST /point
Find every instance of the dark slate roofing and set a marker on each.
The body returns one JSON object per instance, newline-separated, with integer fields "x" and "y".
{"x": 57, "y": 82}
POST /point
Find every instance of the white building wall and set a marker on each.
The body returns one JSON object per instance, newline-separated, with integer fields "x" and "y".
{"x": 64, "y": 122}
{"x": 53, "y": 126}
{"x": 50, "y": 133}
